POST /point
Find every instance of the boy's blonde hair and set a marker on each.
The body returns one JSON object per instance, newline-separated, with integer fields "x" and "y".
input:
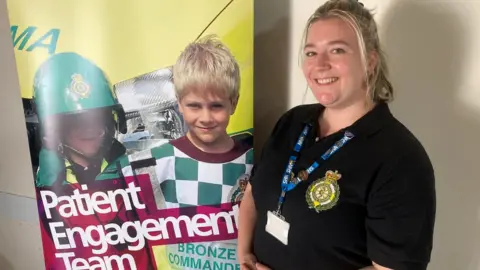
{"x": 354, "y": 13}
{"x": 207, "y": 64}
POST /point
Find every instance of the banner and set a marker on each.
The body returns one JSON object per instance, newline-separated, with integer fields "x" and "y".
{"x": 118, "y": 182}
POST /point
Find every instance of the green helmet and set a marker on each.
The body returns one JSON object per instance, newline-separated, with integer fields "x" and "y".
{"x": 68, "y": 83}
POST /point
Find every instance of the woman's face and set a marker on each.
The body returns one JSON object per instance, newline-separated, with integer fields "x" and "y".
{"x": 332, "y": 64}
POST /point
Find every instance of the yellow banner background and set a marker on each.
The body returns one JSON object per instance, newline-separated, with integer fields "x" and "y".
{"x": 128, "y": 38}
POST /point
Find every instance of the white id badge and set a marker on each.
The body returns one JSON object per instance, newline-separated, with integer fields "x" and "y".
{"x": 277, "y": 227}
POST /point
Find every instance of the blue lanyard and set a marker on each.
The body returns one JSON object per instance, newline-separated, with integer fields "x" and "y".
{"x": 289, "y": 181}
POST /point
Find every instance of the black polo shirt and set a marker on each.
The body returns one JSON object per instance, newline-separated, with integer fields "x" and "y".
{"x": 386, "y": 206}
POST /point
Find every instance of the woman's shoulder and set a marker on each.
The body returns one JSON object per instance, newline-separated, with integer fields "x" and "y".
{"x": 303, "y": 112}
{"x": 402, "y": 145}
{"x": 405, "y": 136}
{"x": 294, "y": 117}
{"x": 299, "y": 114}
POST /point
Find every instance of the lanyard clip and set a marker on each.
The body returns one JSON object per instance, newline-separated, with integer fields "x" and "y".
{"x": 280, "y": 202}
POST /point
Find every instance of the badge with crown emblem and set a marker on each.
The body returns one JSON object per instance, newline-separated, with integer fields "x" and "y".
{"x": 323, "y": 193}
{"x": 237, "y": 191}
{"x": 79, "y": 86}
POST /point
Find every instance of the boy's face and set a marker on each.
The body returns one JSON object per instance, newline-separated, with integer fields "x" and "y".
{"x": 207, "y": 115}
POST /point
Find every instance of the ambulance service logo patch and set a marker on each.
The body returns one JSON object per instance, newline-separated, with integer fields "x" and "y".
{"x": 79, "y": 86}
{"x": 323, "y": 193}
{"x": 236, "y": 194}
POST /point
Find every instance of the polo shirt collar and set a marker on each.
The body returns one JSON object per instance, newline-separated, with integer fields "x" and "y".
{"x": 367, "y": 125}
{"x": 373, "y": 121}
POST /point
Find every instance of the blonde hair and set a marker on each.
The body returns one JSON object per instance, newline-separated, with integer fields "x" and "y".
{"x": 379, "y": 88}
{"x": 207, "y": 64}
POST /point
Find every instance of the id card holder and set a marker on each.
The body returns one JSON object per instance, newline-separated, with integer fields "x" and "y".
{"x": 277, "y": 227}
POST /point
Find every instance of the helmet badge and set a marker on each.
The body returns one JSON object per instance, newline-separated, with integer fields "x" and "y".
{"x": 79, "y": 86}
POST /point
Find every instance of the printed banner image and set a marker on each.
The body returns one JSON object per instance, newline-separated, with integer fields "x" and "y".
{"x": 119, "y": 183}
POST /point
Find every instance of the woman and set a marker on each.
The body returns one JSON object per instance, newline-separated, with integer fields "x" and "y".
{"x": 341, "y": 184}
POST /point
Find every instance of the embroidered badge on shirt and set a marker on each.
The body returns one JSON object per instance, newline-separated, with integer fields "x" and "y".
{"x": 323, "y": 193}
{"x": 237, "y": 191}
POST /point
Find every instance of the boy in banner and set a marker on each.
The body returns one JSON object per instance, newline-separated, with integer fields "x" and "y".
{"x": 79, "y": 116}
{"x": 206, "y": 168}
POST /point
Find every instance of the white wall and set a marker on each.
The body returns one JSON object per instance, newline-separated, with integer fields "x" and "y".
{"x": 432, "y": 47}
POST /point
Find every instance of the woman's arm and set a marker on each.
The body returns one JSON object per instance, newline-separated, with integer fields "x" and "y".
{"x": 375, "y": 267}
{"x": 401, "y": 213}
{"x": 247, "y": 219}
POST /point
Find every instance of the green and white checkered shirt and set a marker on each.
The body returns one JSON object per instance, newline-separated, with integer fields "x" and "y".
{"x": 193, "y": 178}
{"x": 184, "y": 177}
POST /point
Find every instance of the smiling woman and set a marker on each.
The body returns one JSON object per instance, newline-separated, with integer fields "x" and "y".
{"x": 335, "y": 179}
{"x": 331, "y": 65}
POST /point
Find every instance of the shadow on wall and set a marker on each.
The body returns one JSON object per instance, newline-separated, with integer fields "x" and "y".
{"x": 425, "y": 44}
{"x": 4, "y": 262}
{"x": 271, "y": 76}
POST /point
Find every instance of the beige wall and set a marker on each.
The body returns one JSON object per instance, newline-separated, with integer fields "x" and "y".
{"x": 20, "y": 244}
{"x": 432, "y": 47}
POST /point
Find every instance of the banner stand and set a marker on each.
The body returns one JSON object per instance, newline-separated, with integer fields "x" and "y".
{"x": 116, "y": 186}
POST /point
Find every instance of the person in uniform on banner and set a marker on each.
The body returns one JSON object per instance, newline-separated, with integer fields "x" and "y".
{"x": 79, "y": 117}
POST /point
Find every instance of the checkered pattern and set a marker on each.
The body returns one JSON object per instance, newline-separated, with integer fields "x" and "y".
{"x": 185, "y": 181}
